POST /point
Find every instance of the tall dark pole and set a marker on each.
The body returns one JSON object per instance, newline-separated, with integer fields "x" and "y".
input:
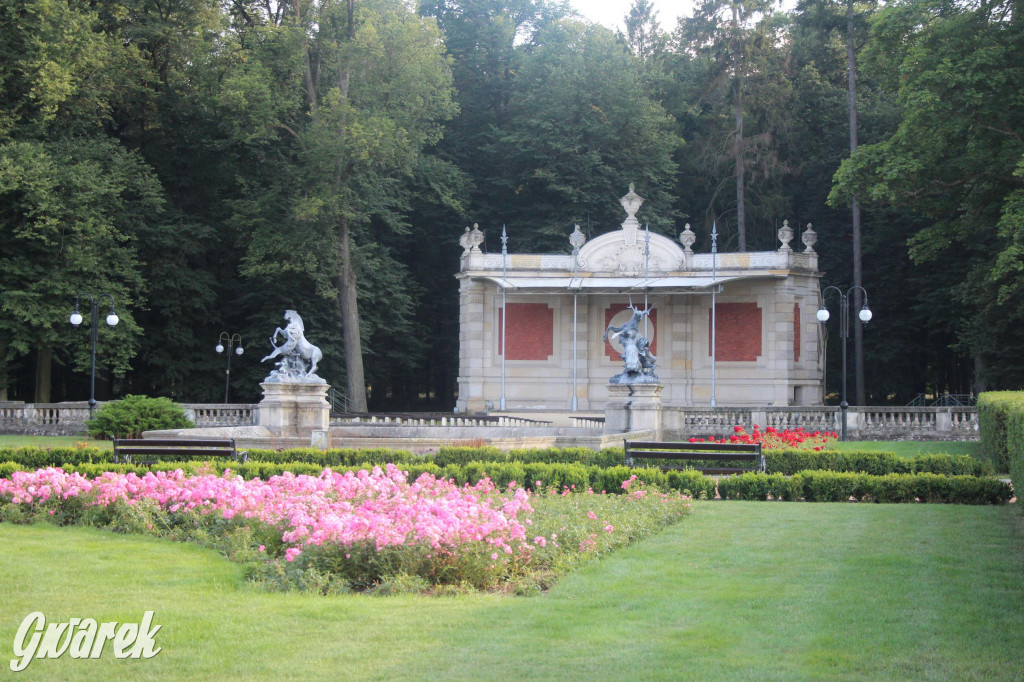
{"x": 858, "y": 332}
{"x": 844, "y": 329}
{"x": 94, "y": 332}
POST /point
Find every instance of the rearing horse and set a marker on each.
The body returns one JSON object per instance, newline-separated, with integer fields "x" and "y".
{"x": 295, "y": 344}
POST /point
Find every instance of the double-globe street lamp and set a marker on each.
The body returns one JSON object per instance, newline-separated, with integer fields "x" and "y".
{"x": 231, "y": 340}
{"x": 112, "y": 320}
{"x": 844, "y": 328}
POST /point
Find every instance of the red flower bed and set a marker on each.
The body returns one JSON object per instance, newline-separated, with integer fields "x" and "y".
{"x": 773, "y": 439}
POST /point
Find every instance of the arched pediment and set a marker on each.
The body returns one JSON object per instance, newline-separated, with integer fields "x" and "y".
{"x": 622, "y": 253}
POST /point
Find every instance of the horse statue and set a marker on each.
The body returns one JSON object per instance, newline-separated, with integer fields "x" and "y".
{"x": 296, "y": 350}
{"x": 636, "y": 350}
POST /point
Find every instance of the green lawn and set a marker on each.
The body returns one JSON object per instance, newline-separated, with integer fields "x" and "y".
{"x": 52, "y": 442}
{"x": 913, "y": 448}
{"x": 740, "y": 590}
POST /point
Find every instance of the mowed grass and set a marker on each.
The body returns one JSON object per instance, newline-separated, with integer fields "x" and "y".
{"x": 739, "y": 590}
{"x": 8, "y": 441}
{"x": 912, "y": 448}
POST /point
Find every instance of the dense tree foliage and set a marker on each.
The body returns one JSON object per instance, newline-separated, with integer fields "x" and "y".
{"x": 210, "y": 164}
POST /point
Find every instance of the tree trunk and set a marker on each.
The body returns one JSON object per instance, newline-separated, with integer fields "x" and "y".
{"x": 858, "y": 300}
{"x": 44, "y": 372}
{"x": 741, "y": 206}
{"x": 348, "y": 304}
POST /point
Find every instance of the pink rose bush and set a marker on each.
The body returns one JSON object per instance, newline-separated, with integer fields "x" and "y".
{"x": 349, "y": 530}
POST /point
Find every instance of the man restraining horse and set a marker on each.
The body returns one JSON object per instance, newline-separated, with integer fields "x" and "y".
{"x": 295, "y": 347}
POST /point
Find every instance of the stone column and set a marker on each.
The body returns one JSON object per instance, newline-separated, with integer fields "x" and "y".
{"x": 294, "y": 410}
{"x": 633, "y": 407}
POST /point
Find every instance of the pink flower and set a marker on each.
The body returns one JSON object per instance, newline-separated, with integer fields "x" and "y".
{"x": 291, "y": 553}
{"x": 592, "y": 516}
{"x": 540, "y": 540}
{"x": 494, "y": 556}
{"x": 609, "y": 528}
{"x": 263, "y": 548}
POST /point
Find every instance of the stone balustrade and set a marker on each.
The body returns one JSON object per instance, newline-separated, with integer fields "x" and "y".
{"x": 436, "y": 420}
{"x": 863, "y": 423}
{"x": 68, "y": 419}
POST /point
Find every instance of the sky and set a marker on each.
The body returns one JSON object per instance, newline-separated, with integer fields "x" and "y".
{"x": 611, "y": 12}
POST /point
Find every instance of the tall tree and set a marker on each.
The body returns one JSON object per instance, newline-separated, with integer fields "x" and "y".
{"x": 373, "y": 89}
{"x": 71, "y": 197}
{"x": 580, "y": 129}
{"x": 731, "y": 59}
{"x": 957, "y": 72}
{"x": 643, "y": 31}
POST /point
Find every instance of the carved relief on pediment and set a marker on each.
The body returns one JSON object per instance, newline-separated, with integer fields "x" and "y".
{"x": 628, "y": 261}
{"x": 611, "y": 253}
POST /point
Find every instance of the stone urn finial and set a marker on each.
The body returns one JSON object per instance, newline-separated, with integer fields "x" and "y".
{"x": 687, "y": 238}
{"x": 577, "y": 238}
{"x": 785, "y": 236}
{"x": 632, "y": 203}
{"x": 471, "y": 240}
{"x": 809, "y": 238}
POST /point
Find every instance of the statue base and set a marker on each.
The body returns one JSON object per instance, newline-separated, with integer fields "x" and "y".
{"x": 633, "y": 407}
{"x": 294, "y": 410}
{"x": 634, "y": 378}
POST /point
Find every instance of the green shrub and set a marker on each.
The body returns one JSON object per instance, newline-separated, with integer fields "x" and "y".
{"x": 832, "y": 486}
{"x": 994, "y": 410}
{"x": 756, "y": 486}
{"x": 33, "y": 458}
{"x": 871, "y": 462}
{"x": 133, "y": 414}
{"x": 8, "y": 468}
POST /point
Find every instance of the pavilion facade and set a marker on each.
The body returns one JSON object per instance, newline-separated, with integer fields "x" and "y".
{"x": 734, "y": 329}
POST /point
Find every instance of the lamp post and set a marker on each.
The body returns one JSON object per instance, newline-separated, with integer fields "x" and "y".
{"x": 844, "y": 328}
{"x": 76, "y": 319}
{"x": 714, "y": 289}
{"x": 231, "y": 339}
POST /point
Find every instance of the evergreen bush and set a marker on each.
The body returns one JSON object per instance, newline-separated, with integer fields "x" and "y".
{"x": 133, "y": 414}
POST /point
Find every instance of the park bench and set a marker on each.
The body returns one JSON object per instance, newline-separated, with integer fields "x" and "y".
{"x": 705, "y": 452}
{"x": 148, "y": 450}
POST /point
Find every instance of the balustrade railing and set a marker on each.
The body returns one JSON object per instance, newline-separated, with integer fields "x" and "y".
{"x": 434, "y": 420}
{"x": 863, "y": 423}
{"x": 221, "y": 415}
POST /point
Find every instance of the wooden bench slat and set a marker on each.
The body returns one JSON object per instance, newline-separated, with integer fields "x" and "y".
{"x": 666, "y": 454}
{"x": 177, "y": 442}
{"x": 725, "y": 447}
{"x": 171, "y": 447}
{"x": 207, "y": 452}
{"x": 714, "y": 452}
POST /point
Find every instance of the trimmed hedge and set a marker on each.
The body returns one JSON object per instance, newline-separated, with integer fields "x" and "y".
{"x": 872, "y": 462}
{"x": 840, "y": 486}
{"x": 557, "y": 475}
{"x": 786, "y": 462}
{"x": 809, "y": 485}
{"x": 1001, "y": 424}
{"x": 824, "y": 475}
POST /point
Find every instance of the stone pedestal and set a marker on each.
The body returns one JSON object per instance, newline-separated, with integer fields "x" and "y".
{"x": 294, "y": 410}
{"x": 633, "y": 407}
